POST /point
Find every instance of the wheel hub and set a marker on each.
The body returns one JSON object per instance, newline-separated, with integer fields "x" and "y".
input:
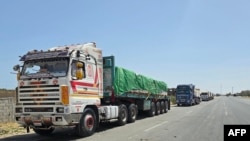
{"x": 89, "y": 121}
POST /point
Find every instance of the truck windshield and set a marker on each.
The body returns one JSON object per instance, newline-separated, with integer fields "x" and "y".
{"x": 204, "y": 93}
{"x": 183, "y": 90}
{"x": 56, "y": 67}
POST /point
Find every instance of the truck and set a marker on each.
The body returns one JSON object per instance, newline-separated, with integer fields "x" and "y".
{"x": 197, "y": 95}
{"x": 205, "y": 96}
{"x": 75, "y": 86}
{"x": 211, "y": 96}
{"x": 187, "y": 94}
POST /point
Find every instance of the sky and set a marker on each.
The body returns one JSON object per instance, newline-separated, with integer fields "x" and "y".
{"x": 200, "y": 42}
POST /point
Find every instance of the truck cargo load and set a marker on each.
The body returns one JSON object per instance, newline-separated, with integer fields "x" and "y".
{"x": 127, "y": 81}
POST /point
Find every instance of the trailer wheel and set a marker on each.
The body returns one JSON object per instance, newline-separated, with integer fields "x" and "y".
{"x": 165, "y": 106}
{"x": 151, "y": 112}
{"x": 162, "y": 107}
{"x": 88, "y": 123}
{"x": 132, "y": 113}
{"x": 43, "y": 131}
{"x": 158, "y": 108}
{"x": 123, "y": 115}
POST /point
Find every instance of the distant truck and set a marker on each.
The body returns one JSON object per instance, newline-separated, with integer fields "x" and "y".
{"x": 197, "y": 96}
{"x": 211, "y": 96}
{"x": 75, "y": 86}
{"x": 187, "y": 94}
{"x": 205, "y": 96}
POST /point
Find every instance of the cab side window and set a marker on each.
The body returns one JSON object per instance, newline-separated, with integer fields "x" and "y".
{"x": 76, "y": 69}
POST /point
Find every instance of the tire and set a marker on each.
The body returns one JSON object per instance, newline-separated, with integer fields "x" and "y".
{"x": 132, "y": 113}
{"x": 123, "y": 115}
{"x": 190, "y": 104}
{"x": 151, "y": 112}
{"x": 87, "y": 124}
{"x": 162, "y": 107}
{"x": 43, "y": 132}
{"x": 157, "y": 108}
{"x": 165, "y": 106}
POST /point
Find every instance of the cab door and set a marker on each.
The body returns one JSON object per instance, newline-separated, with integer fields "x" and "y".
{"x": 108, "y": 75}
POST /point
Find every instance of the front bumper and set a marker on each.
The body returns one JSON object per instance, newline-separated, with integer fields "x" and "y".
{"x": 183, "y": 101}
{"x": 39, "y": 120}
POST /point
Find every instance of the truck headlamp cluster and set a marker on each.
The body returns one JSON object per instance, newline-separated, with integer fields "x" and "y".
{"x": 19, "y": 110}
{"x": 60, "y": 109}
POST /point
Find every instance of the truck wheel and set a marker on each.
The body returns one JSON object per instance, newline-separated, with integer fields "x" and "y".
{"x": 87, "y": 125}
{"x": 123, "y": 115}
{"x": 158, "y": 108}
{"x": 165, "y": 106}
{"x": 151, "y": 112}
{"x": 162, "y": 107}
{"x": 132, "y": 113}
{"x": 191, "y": 104}
{"x": 43, "y": 131}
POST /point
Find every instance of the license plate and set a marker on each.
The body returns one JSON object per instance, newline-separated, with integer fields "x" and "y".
{"x": 37, "y": 122}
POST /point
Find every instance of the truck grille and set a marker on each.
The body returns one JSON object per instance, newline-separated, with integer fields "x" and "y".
{"x": 39, "y": 95}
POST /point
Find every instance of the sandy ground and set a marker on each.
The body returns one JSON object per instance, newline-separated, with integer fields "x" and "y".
{"x": 11, "y": 128}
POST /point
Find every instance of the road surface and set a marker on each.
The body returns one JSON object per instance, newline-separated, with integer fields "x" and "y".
{"x": 203, "y": 122}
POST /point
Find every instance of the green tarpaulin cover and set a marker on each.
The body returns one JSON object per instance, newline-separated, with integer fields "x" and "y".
{"x": 126, "y": 81}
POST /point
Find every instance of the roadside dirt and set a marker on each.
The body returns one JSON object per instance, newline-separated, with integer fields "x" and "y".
{"x": 10, "y": 129}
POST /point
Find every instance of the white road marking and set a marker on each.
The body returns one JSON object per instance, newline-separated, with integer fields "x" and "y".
{"x": 155, "y": 126}
{"x": 188, "y": 112}
{"x": 225, "y": 108}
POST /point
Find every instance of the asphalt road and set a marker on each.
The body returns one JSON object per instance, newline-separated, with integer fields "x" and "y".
{"x": 203, "y": 122}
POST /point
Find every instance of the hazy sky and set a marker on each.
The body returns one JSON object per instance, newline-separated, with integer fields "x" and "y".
{"x": 203, "y": 42}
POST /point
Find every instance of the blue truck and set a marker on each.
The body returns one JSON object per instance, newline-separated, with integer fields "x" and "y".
{"x": 187, "y": 94}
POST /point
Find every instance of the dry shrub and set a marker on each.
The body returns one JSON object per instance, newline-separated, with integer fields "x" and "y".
{"x": 11, "y": 128}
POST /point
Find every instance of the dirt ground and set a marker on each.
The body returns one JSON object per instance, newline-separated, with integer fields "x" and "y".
{"x": 11, "y": 128}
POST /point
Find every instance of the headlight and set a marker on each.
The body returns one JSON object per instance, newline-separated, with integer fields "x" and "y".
{"x": 60, "y": 109}
{"x": 19, "y": 110}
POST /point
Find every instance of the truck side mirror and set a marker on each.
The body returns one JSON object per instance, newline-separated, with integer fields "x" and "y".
{"x": 16, "y": 68}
